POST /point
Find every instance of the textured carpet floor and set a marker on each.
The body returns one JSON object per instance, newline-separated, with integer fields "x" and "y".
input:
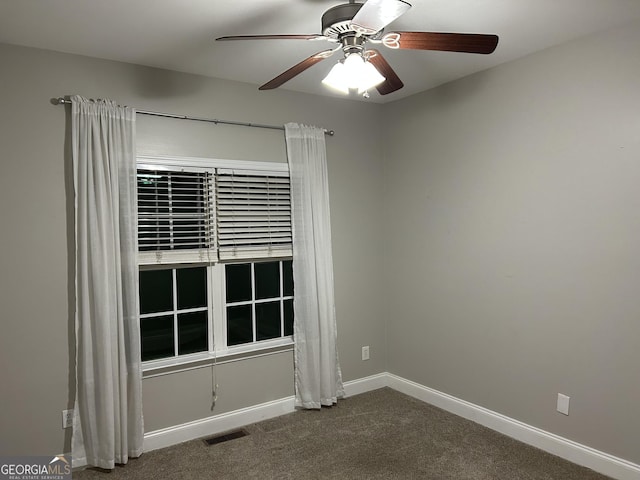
{"x": 377, "y": 435}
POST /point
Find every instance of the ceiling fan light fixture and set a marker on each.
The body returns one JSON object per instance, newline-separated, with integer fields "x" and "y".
{"x": 369, "y": 77}
{"x": 353, "y": 73}
{"x": 337, "y": 78}
{"x": 354, "y": 68}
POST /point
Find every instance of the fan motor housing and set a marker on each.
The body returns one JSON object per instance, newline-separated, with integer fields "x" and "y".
{"x": 337, "y": 20}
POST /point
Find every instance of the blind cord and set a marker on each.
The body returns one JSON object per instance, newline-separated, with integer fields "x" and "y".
{"x": 214, "y": 365}
{"x": 214, "y": 380}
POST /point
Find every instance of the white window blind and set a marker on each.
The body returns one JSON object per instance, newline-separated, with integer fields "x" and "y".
{"x": 175, "y": 216}
{"x": 253, "y": 210}
{"x": 196, "y": 214}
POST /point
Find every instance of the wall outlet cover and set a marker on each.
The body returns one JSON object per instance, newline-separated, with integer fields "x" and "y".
{"x": 67, "y": 418}
{"x": 365, "y": 353}
{"x": 563, "y": 404}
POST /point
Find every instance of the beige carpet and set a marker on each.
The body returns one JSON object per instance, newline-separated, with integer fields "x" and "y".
{"x": 377, "y": 435}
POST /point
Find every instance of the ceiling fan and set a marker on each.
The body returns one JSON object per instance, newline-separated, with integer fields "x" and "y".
{"x": 357, "y": 26}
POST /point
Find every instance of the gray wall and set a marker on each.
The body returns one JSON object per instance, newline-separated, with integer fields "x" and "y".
{"x": 513, "y": 250}
{"x": 36, "y": 267}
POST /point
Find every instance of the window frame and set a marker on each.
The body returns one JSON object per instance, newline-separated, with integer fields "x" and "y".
{"x": 218, "y": 351}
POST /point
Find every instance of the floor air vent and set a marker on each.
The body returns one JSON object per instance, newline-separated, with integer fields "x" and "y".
{"x": 225, "y": 437}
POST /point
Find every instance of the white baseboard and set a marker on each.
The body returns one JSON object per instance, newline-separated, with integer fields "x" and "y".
{"x": 601, "y": 462}
{"x": 244, "y": 416}
{"x": 365, "y": 384}
{"x": 216, "y": 424}
{"x": 569, "y": 450}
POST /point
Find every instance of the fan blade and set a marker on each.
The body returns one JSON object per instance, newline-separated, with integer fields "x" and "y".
{"x": 296, "y": 70}
{"x": 273, "y": 37}
{"x": 392, "y": 81}
{"x": 450, "y": 42}
{"x": 377, "y": 14}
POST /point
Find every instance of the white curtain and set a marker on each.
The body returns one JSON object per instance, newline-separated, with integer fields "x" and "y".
{"x": 107, "y": 427}
{"x": 318, "y": 380}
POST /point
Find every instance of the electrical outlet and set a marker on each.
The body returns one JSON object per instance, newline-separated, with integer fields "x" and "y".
{"x": 365, "y": 353}
{"x": 563, "y": 404}
{"x": 67, "y": 418}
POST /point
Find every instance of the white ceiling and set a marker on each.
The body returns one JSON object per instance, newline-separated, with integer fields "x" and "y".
{"x": 179, "y": 34}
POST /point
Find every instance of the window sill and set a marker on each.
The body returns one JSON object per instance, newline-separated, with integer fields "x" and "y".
{"x": 166, "y": 366}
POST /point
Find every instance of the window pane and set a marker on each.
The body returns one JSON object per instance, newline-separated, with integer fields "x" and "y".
{"x": 238, "y": 282}
{"x": 153, "y": 234}
{"x": 153, "y": 205}
{"x": 189, "y": 233}
{"x": 287, "y": 280}
{"x": 156, "y": 335}
{"x": 267, "y": 280}
{"x": 156, "y": 291}
{"x": 267, "y": 320}
{"x": 288, "y": 317}
{"x": 239, "y": 325}
{"x": 192, "y": 332}
{"x": 192, "y": 287}
{"x": 172, "y": 210}
{"x": 153, "y": 192}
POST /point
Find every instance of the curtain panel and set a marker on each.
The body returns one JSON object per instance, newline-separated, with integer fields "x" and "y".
{"x": 107, "y": 426}
{"x": 318, "y": 379}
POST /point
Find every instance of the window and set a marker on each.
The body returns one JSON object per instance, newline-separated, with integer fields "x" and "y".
{"x": 173, "y": 312}
{"x": 215, "y": 257}
{"x": 259, "y": 301}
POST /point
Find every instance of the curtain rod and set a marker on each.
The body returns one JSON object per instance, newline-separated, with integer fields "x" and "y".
{"x": 62, "y": 101}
